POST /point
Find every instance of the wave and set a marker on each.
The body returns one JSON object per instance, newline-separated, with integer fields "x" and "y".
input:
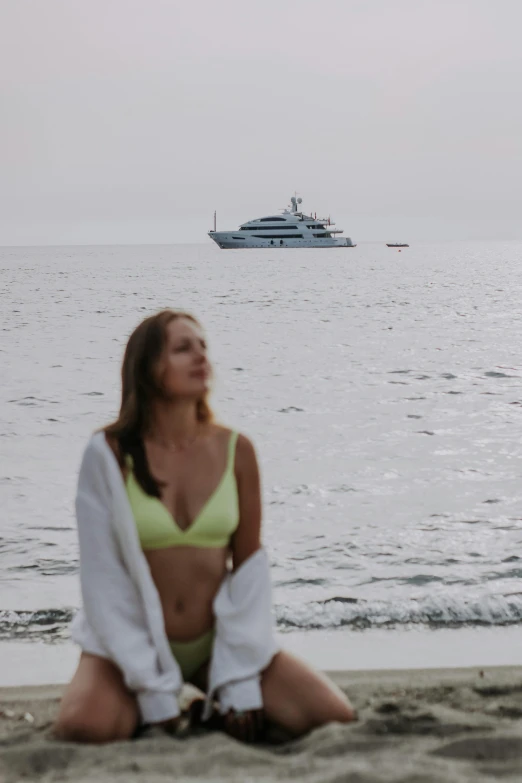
{"x": 429, "y": 611}
{"x": 336, "y": 612}
{"x": 48, "y": 624}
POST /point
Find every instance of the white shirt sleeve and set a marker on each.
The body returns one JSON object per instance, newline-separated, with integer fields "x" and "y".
{"x": 245, "y": 641}
{"x": 112, "y": 603}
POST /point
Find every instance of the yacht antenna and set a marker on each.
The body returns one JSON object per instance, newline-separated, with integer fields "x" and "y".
{"x": 214, "y": 220}
{"x": 295, "y": 202}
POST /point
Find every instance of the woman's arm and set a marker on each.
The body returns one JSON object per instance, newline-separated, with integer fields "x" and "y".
{"x": 247, "y": 538}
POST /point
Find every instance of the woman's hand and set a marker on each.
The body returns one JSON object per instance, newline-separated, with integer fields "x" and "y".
{"x": 245, "y": 726}
{"x": 169, "y": 726}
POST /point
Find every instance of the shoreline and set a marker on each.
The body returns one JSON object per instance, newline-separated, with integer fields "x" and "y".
{"x": 29, "y": 662}
{"x": 376, "y": 678}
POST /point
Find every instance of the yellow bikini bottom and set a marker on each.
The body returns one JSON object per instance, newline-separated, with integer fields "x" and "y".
{"x": 192, "y": 655}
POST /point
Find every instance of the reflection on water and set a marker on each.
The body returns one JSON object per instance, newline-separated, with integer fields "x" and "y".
{"x": 382, "y": 391}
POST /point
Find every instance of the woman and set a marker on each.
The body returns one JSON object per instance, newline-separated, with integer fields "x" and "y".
{"x": 171, "y": 564}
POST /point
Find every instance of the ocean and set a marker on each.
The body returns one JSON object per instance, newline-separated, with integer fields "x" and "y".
{"x": 382, "y": 391}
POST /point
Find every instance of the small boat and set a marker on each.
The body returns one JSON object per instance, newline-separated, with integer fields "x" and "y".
{"x": 396, "y": 244}
{"x": 291, "y": 228}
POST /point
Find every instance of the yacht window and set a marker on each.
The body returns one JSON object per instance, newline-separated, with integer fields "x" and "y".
{"x": 277, "y": 236}
{"x": 266, "y": 228}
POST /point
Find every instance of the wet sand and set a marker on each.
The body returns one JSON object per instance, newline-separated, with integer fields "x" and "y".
{"x": 422, "y": 726}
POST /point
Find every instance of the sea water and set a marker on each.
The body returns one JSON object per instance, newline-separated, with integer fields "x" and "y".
{"x": 382, "y": 391}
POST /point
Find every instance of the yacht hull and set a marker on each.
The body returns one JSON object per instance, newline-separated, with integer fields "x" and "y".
{"x": 230, "y": 240}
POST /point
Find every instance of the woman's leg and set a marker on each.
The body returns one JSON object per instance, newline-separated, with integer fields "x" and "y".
{"x": 299, "y": 699}
{"x": 96, "y": 706}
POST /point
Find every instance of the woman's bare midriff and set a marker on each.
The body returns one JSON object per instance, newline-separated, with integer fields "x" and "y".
{"x": 187, "y": 580}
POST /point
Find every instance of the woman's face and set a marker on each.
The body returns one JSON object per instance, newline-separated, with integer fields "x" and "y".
{"x": 184, "y": 369}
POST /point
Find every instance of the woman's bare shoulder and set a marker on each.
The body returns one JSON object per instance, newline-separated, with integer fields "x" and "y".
{"x": 245, "y": 458}
{"x": 244, "y": 444}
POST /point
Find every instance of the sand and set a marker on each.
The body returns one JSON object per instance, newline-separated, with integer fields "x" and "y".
{"x": 422, "y": 726}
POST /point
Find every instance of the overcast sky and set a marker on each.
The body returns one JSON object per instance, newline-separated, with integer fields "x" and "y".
{"x": 125, "y": 121}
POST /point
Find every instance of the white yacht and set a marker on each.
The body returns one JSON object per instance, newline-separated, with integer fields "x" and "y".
{"x": 291, "y": 228}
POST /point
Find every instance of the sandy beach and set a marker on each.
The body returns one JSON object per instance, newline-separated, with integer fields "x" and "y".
{"x": 421, "y": 726}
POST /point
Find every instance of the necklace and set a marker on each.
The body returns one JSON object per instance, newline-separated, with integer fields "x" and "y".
{"x": 176, "y": 447}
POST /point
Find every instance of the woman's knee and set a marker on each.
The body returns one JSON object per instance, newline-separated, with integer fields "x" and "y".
{"x": 343, "y": 712}
{"x": 338, "y": 710}
{"x": 96, "y": 707}
{"x": 84, "y": 721}
{"x": 335, "y": 706}
{"x": 300, "y": 698}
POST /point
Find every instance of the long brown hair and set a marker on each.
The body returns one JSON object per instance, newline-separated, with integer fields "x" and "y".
{"x": 139, "y": 388}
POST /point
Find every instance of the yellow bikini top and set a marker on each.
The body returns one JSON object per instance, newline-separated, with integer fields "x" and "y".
{"x": 213, "y": 526}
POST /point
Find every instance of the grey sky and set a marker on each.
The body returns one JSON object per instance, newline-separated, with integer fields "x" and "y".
{"x": 126, "y": 121}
